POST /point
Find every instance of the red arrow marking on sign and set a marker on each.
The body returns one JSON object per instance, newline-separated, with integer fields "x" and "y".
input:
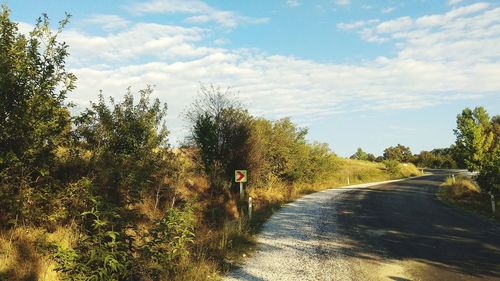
{"x": 240, "y": 176}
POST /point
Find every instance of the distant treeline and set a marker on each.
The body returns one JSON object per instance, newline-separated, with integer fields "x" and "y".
{"x": 439, "y": 158}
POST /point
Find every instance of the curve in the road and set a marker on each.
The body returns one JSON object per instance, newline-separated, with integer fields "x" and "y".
{"x": 392, "y": 231}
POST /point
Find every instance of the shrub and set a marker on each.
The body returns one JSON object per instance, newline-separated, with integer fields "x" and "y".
{"x": 392, "y": 167}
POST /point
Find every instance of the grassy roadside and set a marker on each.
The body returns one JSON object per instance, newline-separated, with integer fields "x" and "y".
{"x": 24, "y": 253}
{"x": 466, "y": 194}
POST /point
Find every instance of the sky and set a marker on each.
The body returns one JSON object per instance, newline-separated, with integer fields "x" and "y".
{"x": 367, "y": 74}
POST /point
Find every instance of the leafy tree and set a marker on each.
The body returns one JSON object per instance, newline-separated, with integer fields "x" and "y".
{"x": 279, "y": 149}
{"x": 437, "y": 158}
{"x": 362, "y": 155}
{"x": 489, "y": 176}
{"x": 220, "y": 130}
{"x": 33, "y": 115}
{"x": 398, "y": 153}
{"x": 128, "y": 146}
{"x": 359, "y": 155}
{"x": 474, "y": 137}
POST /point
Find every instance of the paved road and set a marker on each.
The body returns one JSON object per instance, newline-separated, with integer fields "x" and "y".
{"x": 393, "y": 231}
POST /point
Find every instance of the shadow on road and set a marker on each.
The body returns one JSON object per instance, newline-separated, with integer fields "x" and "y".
{"x": 398, "y": 221}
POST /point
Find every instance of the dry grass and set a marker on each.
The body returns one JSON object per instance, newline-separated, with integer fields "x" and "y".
{"x": 466, "y": 194}
{"x": 460, "y": 187}
{"x": 21, "y": 256}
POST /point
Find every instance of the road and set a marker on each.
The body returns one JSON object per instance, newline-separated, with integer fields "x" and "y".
{"x": 393, "y": 231}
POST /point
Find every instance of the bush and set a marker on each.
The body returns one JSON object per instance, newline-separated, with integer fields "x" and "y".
{"x": 166, "y": 245}
{"x": 392, "y": 167}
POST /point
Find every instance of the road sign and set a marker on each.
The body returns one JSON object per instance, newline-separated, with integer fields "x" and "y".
{"x": 240, "y": 176}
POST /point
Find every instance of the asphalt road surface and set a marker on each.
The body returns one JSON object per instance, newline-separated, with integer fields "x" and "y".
{"x": 392, "y": 231}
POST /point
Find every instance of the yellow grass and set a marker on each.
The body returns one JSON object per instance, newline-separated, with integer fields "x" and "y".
{"x": 460, "y": 187}
{"x": 20, "y": 259}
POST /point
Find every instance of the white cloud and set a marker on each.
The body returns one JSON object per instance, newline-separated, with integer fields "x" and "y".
{"x": 355, "y": 25}
{"x": 107, "y": 22}
{"x": 155, "y": 41}
{"x": 202, "y": 12}
{"x": 388, "y": 10}
{"x": 454, "y": 2}
{"x": 293, "y": 3}
{"x": 439, "y": 58}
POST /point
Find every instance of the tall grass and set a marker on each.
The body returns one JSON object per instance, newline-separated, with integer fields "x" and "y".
{"x": 460, "y": 187}
{"x": 24, "y": 254}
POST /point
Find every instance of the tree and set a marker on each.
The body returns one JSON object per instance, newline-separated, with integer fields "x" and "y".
{"x": 437, "y": 158}
{"x": 359, "y": 155}
{"x": 128, "y": 144}
{"x": 33, "y": 115}
{"x": 478, "y": 144}
{"x": 398, "y": 153}
{"x": 474, "y": 137}
{"x": 220, "y": 130}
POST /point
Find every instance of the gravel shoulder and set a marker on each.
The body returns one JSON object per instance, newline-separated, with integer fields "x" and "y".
{"x": 394, "y": 230}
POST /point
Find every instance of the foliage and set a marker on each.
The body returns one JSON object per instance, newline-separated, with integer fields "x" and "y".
{"x": 478, "y": 143}
{"x": 474, "y": 137}
{"x": 398, "y": 153}
{"x": 33, "y": 116}
{"x": 219, "y": 129}
{"x": 128, "y": 145}
{"x": 392, "y": 167}
{"x": 102, "y": 253}
{"x": 279, "y": 149}
{"x": 167, "y": 243}
{"x": 489, "y": 176}
{"x": 437, "y": 158}
{"x": 362, "y": 155}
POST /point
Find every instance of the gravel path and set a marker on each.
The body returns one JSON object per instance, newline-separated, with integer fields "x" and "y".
{"x": 298, "y": 242}
{"x": 392, "y": 231}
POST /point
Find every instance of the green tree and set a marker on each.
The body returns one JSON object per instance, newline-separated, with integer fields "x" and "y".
{"x": 398, "y": 153}
{"x": 359, "y": 155}
{"x": 33, "y": 115}
{"x": 128, "y": 146}
{"x": 279, "y": 149}
{"x": 362, "y": 155}
{"x": 220, "y": 130}
{"x": 474, "y": 137}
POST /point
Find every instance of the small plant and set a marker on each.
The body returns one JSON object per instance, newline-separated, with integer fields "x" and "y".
{"x": 167, "y": 243}
{"x": 102, "y": 253}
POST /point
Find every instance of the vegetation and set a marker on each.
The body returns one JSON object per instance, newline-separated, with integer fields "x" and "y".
{"x": 440, "y": 158}
{"x": 478, "y": 144}
{"x": 398, "y": 153}
{"x": 102, "y": 196}
{"x": 466, "y": 193}
{"x": 361, "y": 155}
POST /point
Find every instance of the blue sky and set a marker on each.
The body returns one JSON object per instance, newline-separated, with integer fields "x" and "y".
{"x": 364, "y": 74}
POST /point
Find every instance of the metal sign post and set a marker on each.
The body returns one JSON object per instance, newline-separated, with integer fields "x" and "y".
{"x": 241, "y": 177}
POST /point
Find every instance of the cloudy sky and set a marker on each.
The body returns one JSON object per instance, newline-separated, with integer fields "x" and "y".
{"x": 364, "y": 74}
